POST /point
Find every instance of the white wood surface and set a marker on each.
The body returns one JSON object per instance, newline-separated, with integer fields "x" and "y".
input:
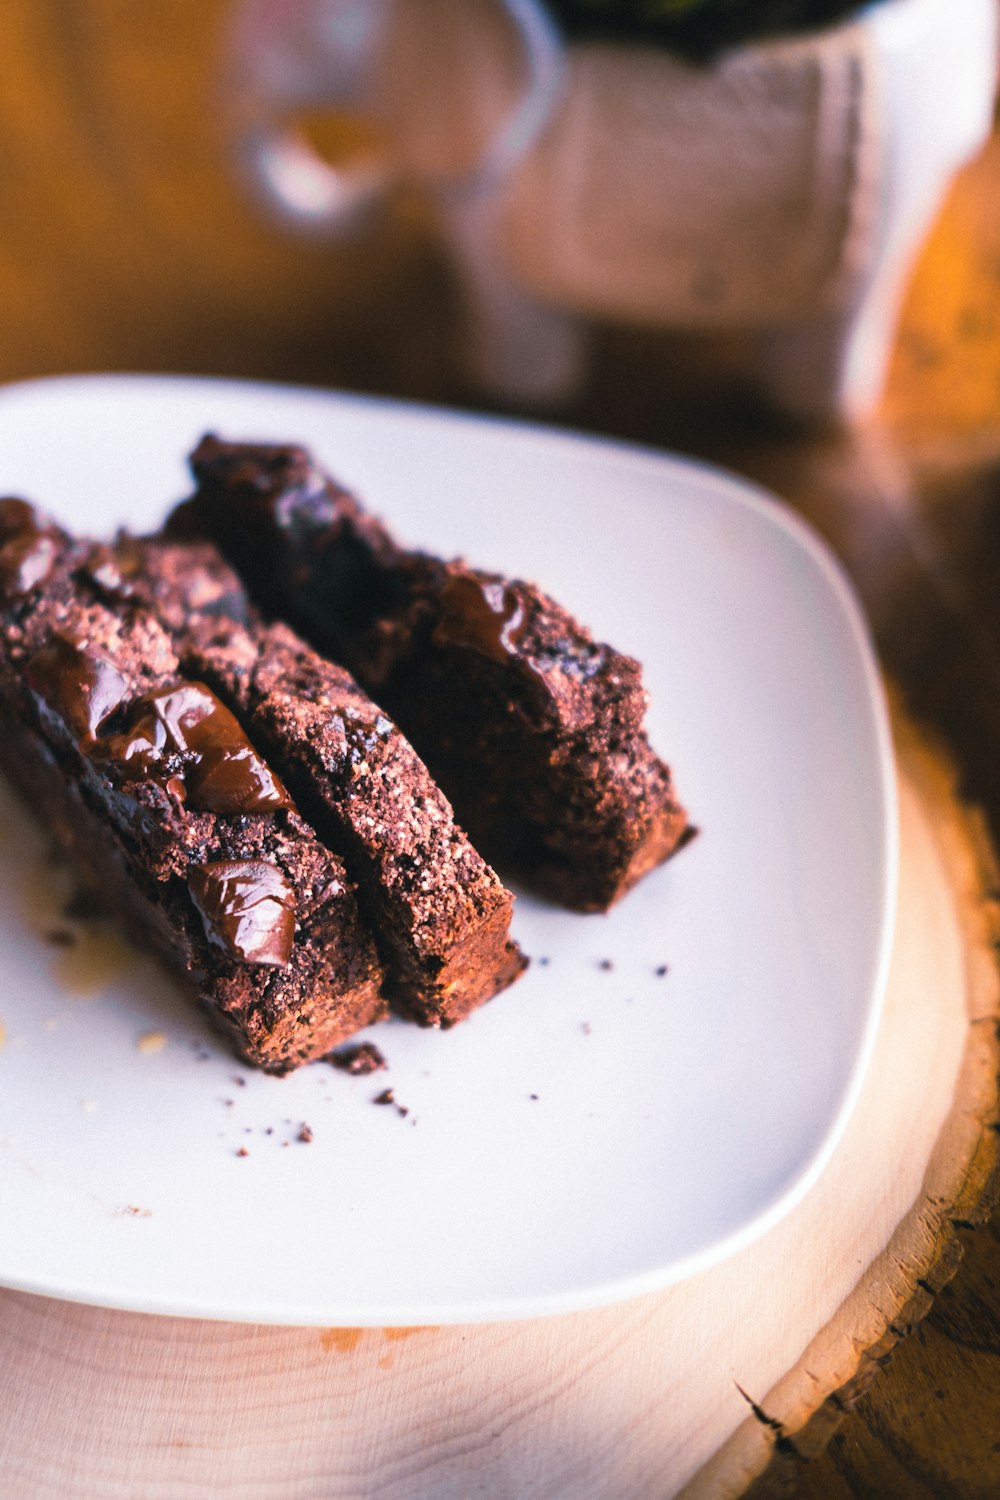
{"x": 640, "y": 1400}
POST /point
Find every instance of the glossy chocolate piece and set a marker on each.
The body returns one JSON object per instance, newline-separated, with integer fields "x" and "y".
{"x": 77, "y": 683}
{"x": 28, "y": 548}
{"x": 100, "y": 568}
{"x": 16, "y": 516}
{"x": 482, "y": 611}
{"x": 182, "y": 733}
{"x": 248, "y": 908}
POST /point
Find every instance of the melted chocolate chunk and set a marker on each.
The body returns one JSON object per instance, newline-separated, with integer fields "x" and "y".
{"x": 139, "y": 752}
{"x": 25, "y": 562}
{"x": 248, "y": 908}
{"x": 483, "y": 612}
{"x": 100, "y": 568}
{"x": 76, "y": 682}
{"x": 183, "y": 733}
{"x": 27, "y": 549}
{"x": 16, "y": 516}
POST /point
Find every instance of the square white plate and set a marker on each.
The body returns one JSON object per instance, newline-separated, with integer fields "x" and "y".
{"x": 604, "y": 1127}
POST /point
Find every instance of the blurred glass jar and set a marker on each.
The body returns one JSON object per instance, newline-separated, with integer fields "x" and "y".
{"x": 780, "y": 191}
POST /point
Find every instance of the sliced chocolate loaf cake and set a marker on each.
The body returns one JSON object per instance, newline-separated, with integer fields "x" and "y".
{"x": 171, "y": 812}
{"x": 533, "y": 728}
{"x": 439, "y": 913}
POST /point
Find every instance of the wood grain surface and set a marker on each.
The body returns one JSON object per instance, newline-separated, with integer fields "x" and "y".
{"x": 125, "y": 243}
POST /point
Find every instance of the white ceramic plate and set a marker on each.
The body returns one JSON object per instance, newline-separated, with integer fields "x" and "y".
{"x": 603, "y": 1128}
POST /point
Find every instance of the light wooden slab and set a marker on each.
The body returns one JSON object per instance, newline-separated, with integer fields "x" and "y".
{"x": 647, "y": 1399}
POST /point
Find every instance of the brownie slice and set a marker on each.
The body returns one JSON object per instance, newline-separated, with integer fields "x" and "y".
{"x": 173, "y": 815}
{"x": 533, "y": 728}
{"x": 440, "y": 914}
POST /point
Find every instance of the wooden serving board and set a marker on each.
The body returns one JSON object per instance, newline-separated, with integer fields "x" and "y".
{"x": 686, "y": 1392}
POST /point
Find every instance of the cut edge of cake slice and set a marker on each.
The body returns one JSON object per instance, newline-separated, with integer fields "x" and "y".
{"x": 440, "y": 914}
{"x": 534, "y": 730}
{"x": 170, "y": 813}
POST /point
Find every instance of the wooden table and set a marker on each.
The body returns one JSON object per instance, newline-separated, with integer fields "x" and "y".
{"x": 124, "y": 244}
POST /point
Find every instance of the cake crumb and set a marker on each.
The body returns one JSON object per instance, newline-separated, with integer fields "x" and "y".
{"x": 242, "y": 1151}
{"x": 360, "y": 1059}
{"x": 305, "y": 1134}
{"x": 387, "y": 1096}
{"x": 152, "y": 1041}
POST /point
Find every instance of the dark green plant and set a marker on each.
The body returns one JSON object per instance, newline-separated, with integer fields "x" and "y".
{"x": 697, "y": 28}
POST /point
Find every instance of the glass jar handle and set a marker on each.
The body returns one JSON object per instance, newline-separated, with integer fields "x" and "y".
{"x": 286, "y": 58}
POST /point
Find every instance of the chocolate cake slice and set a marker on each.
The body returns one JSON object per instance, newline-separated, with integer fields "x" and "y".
{"x": 439, "y": 913}
{"x": 533, "y": 729}
{"x": 173, "y": 815}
